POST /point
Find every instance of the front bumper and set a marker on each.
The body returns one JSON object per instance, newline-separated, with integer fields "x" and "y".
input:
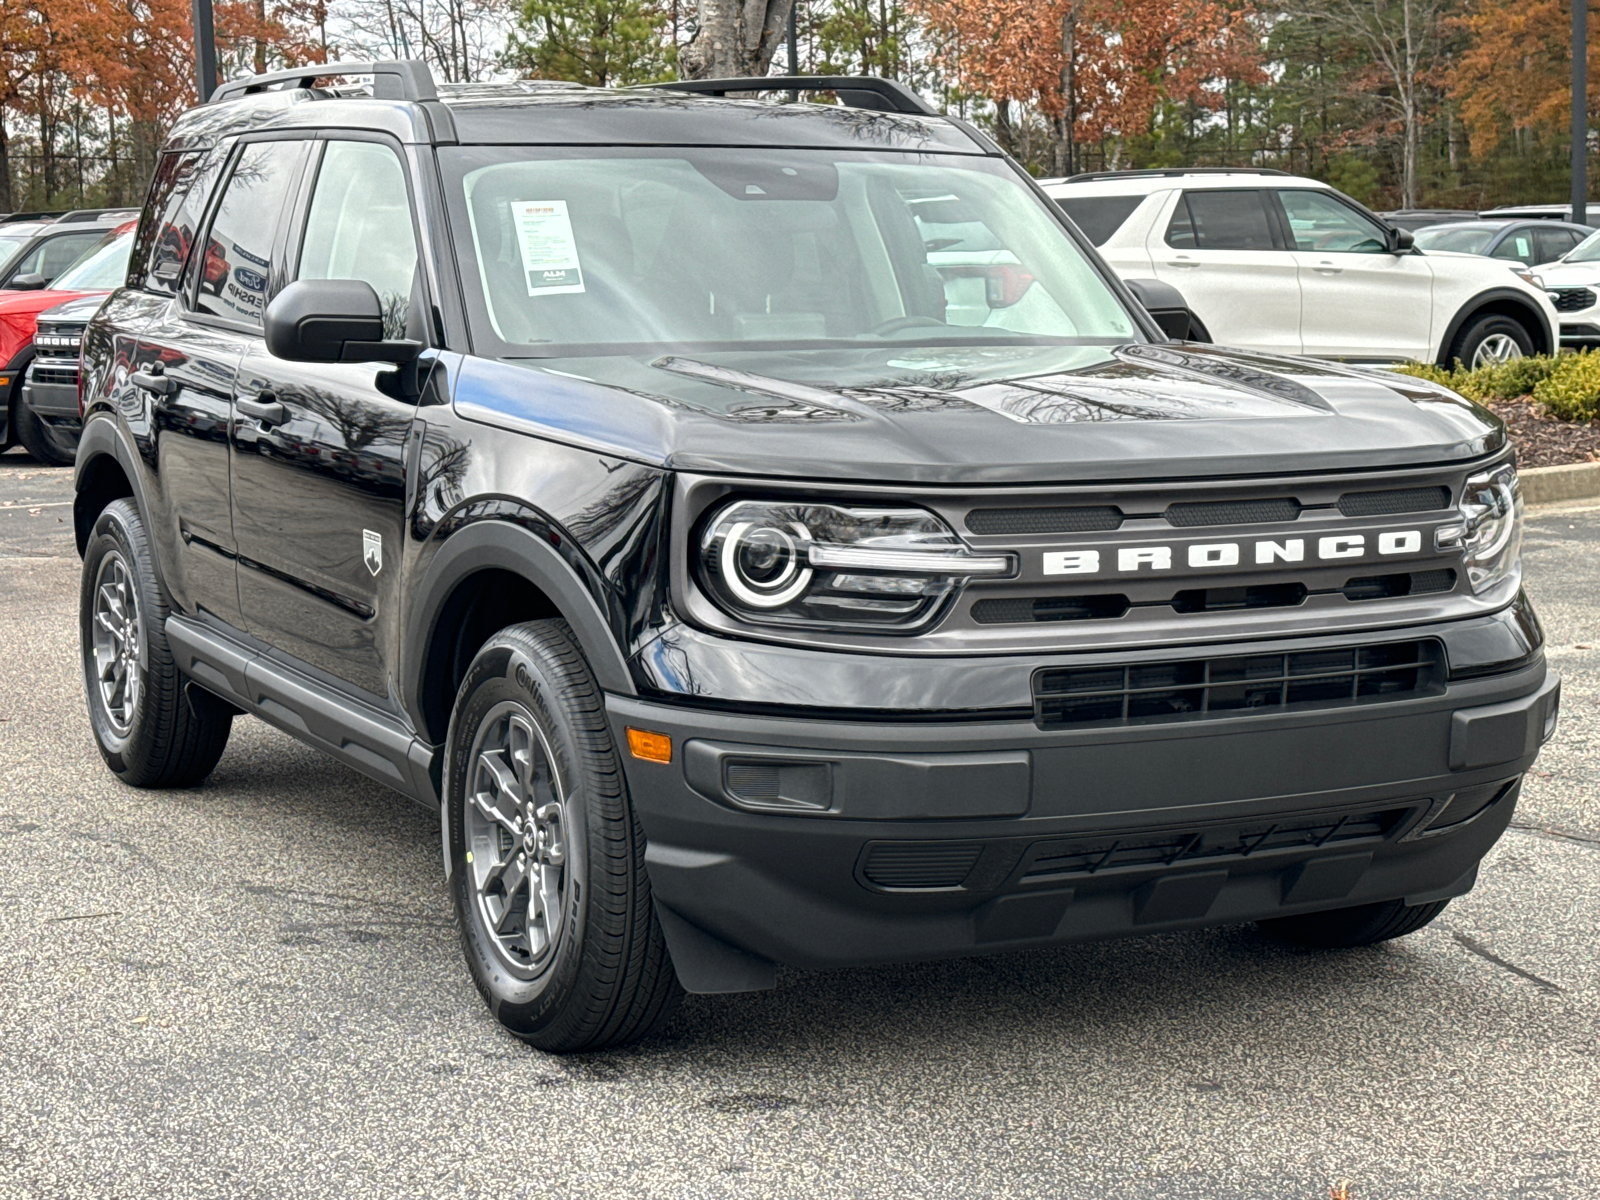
{"x": 54, "y": 401}
{"x": 950, "y": 838}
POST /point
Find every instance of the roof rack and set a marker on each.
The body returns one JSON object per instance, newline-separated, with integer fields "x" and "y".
{"x": 30, "y": 216}
{"x": 1172, "y": 173}
{"x": 402, "y": 79}
{"x": 94, "y": 214}
{"x": 854, "y": 91}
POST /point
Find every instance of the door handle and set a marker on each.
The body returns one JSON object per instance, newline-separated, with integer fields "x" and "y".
{"x": 1326, "y": 268}
{"x": 263, "y": 407}
{"x": 153, "y": 380}
{"x": 1183, "y": 262}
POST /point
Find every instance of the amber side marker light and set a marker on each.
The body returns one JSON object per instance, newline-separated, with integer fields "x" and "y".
{"x": 652, "y": 747}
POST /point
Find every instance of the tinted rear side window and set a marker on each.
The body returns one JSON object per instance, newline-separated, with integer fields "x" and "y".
{"x": 166, "y": 193}
{"x": 1221, "y": 220}
{"x": 235, "y": 268}
{"x": 194, "y": 176}
{"x": 1099, "y": 216}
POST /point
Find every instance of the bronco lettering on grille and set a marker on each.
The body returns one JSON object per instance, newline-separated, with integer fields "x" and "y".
{"x": 1131, "y": 560}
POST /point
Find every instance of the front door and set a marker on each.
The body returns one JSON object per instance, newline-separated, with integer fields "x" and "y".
{"x": 319, "y": 449}
{"x": 1219, "y": 250}
{"x": 1358, "y": 300}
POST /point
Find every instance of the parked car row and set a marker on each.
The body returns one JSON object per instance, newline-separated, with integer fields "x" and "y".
{"x": 69, "y": 262}
{"x": 1285, "y": 265}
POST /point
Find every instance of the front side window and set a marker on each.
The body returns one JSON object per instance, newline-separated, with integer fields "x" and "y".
{"x": 1516, "y": 246}
{"x": 235, "y": 267}
{"x": 54, "y": 255}
{"x": 1551, "y": 244}
{"x": 1587, "y": 250}
{"x": 360, "y": 227}
{"x": 1321, "y": 222}
{"x": 9, "y": 249}
{"x": 1221, "y": 220}
{"x": 166, "y": 193}
{"x": 659, "y": 250}
{"x": 102, "y": 269}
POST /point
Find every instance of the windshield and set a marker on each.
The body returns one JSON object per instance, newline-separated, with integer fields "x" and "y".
{"x": 1465, "y": 239}
{"x": 653, "y": 251}
{"x": 1587, "y": 250}
{"x": 101, "y": 269}
{"x": 10, "y": 247}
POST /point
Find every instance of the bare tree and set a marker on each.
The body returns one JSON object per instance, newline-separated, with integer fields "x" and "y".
{"x": 460, "y": 39}
{"x": 735, "y": 38}
{"x": 1402, "y": 38}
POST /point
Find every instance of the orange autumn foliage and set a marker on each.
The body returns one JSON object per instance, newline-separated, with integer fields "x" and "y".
{"x": 1516, "y": 73}
{"x": 1131, "y": 55}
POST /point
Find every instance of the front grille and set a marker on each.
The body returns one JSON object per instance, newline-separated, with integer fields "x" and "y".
{"x": 1023, "y": 610}
{"x": 1387, "y": 504}
{"x": 921, "y": 866}
{"x": 1138, "y": 693}
{"x": 1049, "y": 862}
{"x": 1232, "y": 512}
{"x": 58, "y": 339}
{"x": 63, "y": 375}
{"x": 1087, "y": 519}
{"x": 1571, "y": 299}
{"x": 1227, "y": 599}
{"x": 1386, "y": 587}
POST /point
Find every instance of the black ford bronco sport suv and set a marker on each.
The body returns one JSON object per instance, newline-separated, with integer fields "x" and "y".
{"x": 770, "y": 535}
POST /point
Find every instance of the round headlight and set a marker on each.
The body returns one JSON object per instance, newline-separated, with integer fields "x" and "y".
{"x": 765, "y": 565}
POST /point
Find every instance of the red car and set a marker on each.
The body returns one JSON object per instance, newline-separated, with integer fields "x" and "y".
{"x": 98, "y": 271}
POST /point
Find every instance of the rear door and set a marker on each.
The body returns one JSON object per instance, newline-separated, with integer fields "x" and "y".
{"x": 1220, "y": 249}
{"x": 319, "y": 449}
{"x": 1357, "y": 300}
{"x": 188, "y": 356}
{"x": 1551, "y": 243}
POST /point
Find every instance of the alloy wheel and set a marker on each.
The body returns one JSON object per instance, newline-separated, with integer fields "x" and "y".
{"x": 1495, "y": 349}
{"x": 516, "y": 826}
{"x": 118, "y": 650}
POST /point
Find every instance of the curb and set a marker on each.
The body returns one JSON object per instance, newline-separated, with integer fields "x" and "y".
{"x": 1552, "y": 485}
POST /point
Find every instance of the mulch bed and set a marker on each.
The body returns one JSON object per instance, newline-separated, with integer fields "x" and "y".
{"x": 1544, "y": 442}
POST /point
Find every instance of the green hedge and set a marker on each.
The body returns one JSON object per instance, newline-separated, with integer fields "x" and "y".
{"x": 1566, "y": 387}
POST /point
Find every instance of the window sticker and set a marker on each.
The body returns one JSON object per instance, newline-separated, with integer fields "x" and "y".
{"x": 549, "y": 255}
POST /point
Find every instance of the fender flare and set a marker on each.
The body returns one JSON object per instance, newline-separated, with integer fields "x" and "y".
{"x": 500, "y": 545}
{"x": 1552, "y": 337}
{"x": 103, "y": 438}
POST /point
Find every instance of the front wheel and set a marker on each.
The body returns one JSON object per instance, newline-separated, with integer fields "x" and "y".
{"x": 546, "y": 856}
{"x": 1490, "y": 340}
{"x": 42, "y": 440}
{"x": 1346, "y": 928}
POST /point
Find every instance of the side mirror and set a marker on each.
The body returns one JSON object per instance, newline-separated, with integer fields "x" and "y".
{"x": 1401, "y": 240}
{"x": 331, "y": 320}
{"x": 31, "y": 282}
{"x": 1166, "y": 306}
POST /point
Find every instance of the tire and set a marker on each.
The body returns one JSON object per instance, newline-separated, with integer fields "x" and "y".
{"x": 39, "y": 439}
{"x": 566, "y": 950}
{"x": 152, "y": 730}
{"x": 1491, "y": 338}
{"x": 1346, "y": 928}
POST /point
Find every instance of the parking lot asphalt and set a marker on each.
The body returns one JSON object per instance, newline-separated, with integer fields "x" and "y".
{"x": 253, "y": 988}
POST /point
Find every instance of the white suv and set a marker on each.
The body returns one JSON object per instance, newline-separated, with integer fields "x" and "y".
{"x": 1284, "y": 265}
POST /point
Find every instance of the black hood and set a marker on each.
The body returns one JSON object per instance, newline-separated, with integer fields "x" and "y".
{"x": 982, "y": 414}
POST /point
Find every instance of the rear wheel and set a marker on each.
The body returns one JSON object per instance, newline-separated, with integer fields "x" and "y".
{"x": 152, "y": 730}
{"x": 547, "y": 859}
{"x": 1489, "y": 340}
{"x": 1344, "y": 928}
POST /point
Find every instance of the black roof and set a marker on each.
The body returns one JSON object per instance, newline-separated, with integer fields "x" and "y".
{"x": 403, "y": 99}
